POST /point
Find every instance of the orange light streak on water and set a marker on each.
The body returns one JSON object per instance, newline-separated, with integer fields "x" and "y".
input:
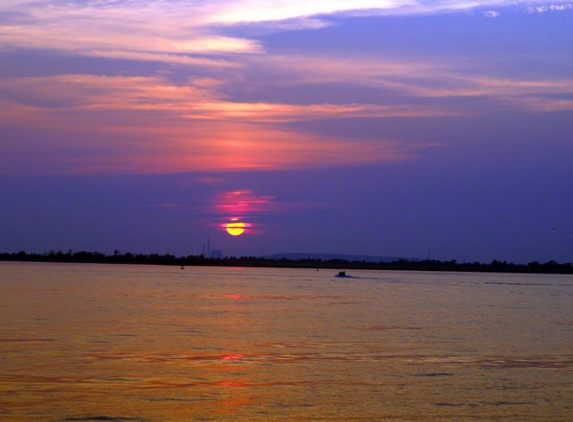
{"x": 158, "y": 344}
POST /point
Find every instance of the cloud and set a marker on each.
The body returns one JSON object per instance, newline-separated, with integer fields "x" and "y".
{"x": 162, "y": 58}
{"x": 230, "y": 119}
{"x": 243, "y": 206}
{"x": 409, "y": 81}
{"x": 547, "y": 105}
{"x": 254, "y": 11}
{"x": 533, "y": 95}
{"x": 106, "y": 124}
{"x": 184, "y": 32}
{"x": 321, "y": 69}
{"x": 145, "y": 124}
{"x": 151, "y": 31}
{"x": 239, "y": 203}
{"x": 550, "y": 8}
{"x": 196, "y": 100}
{"x": 189, "y": 148}
{"x": 491, "y": 14}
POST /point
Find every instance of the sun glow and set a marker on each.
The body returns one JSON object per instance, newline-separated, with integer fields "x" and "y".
{"x": 235, "y": 227}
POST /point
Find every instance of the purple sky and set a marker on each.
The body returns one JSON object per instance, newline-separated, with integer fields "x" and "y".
{"x": 401, "y": 127}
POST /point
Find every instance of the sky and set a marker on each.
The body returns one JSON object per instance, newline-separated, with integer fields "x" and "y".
{"x": 409, "y": 128}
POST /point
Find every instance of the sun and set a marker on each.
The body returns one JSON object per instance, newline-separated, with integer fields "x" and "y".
{"x": 235, "y": 227}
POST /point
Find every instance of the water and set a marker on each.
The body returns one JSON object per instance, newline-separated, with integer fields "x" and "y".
{"x": 144, "y": 343}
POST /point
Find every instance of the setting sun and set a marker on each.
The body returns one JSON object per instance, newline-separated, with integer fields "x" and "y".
{"x": 235, "y": 228}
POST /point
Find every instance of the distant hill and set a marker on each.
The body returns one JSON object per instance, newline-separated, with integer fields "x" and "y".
{"x": 330, "y": 256}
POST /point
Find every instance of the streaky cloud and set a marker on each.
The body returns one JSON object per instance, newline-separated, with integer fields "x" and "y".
{"x": 419, "y": 79}
{"x": 176, "y": 32}
{"x": 163, "y": 58}
{"x": 550, "y": 8}
{"x": 144, "y": 124}
{"x": 194, "y": 100}
{"x": 253, "y": 11}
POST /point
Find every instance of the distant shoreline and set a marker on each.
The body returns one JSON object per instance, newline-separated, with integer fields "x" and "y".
{"x": 85, "y": 257}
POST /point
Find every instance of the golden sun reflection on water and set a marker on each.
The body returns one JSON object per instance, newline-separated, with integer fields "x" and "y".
{"x": 127, "y": 343}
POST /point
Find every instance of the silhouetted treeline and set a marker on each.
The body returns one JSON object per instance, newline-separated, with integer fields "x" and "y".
{"x": 250, "y": 261}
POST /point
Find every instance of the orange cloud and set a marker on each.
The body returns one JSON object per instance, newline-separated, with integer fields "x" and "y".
{"x": 147, "y": 124}
{"x": 171, "y": 146}
{"x": 196, "y": 100}
{"x": 144, "y": 124}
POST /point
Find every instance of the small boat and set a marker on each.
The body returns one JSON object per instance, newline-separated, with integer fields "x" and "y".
{"x": 341, "y": 274}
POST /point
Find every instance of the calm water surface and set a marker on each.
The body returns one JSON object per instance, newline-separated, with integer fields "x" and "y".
{"x": 144, "y": 343}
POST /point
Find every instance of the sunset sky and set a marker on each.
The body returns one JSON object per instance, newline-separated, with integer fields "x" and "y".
{"x": 409, "y": 128}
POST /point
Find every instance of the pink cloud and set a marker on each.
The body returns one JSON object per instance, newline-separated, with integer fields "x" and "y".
{"x": 146, "y": 125}
{"x": 242, "y": 206}
{"x": 240, "y": 203}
